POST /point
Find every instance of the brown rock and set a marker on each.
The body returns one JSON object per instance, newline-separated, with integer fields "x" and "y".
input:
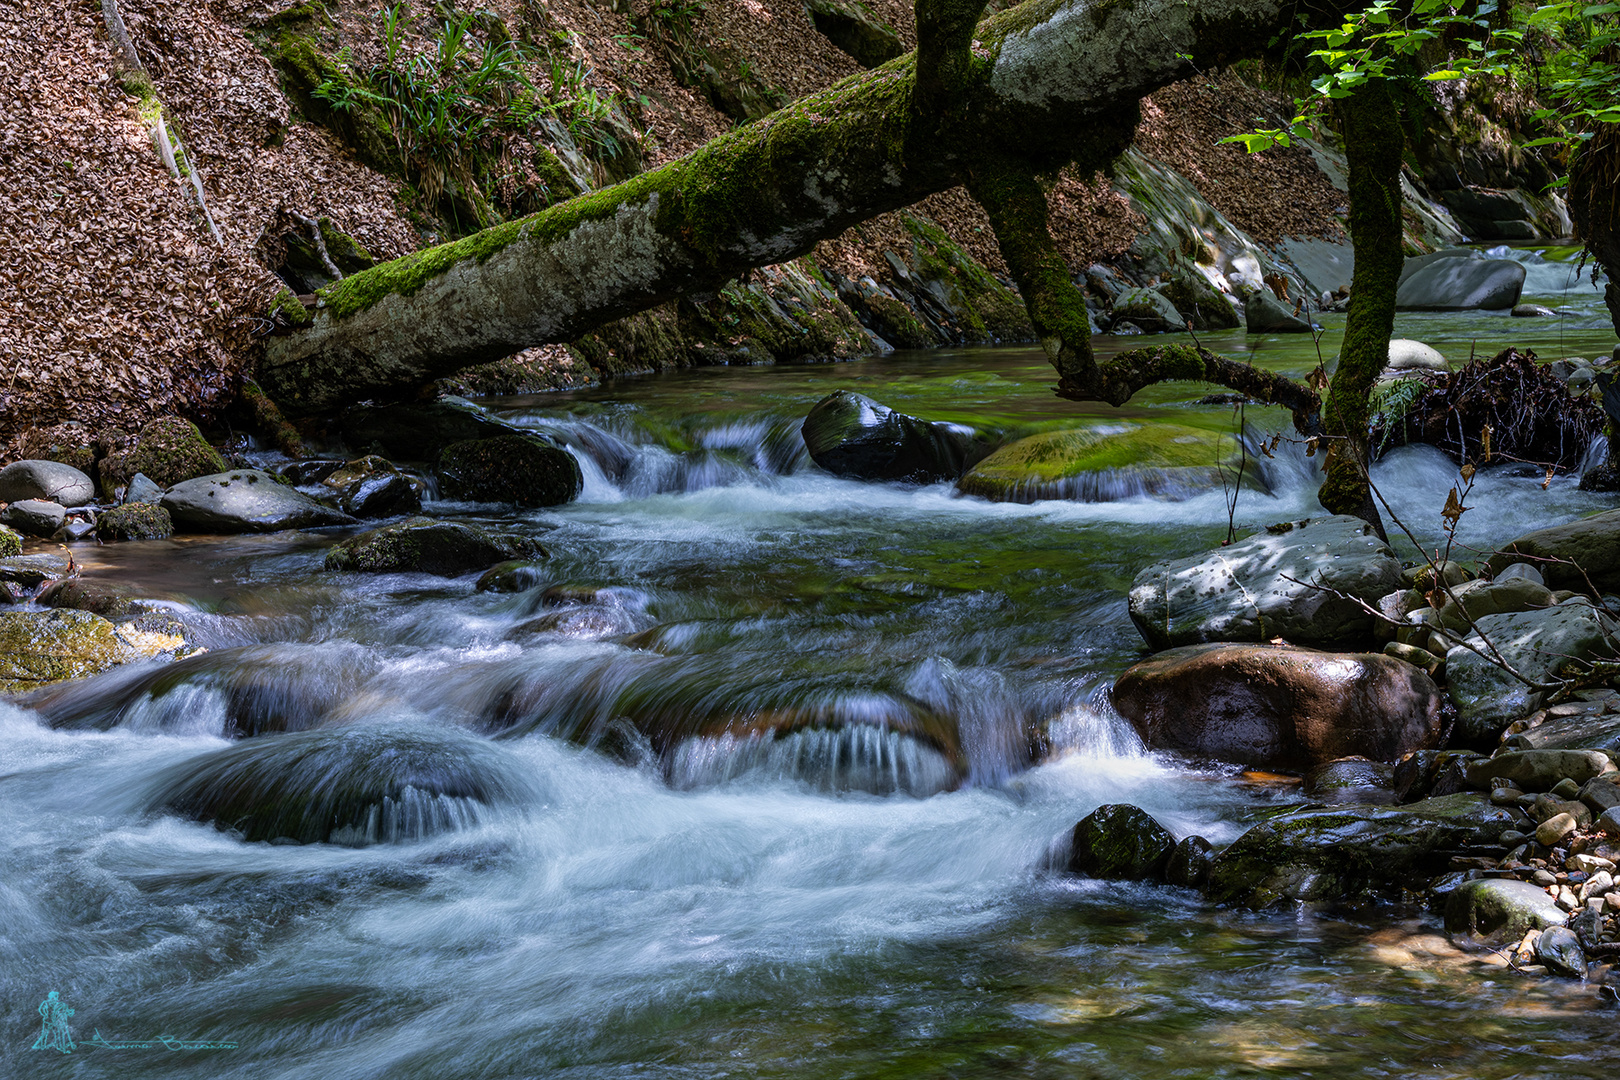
{"x": 1280, "y": 706}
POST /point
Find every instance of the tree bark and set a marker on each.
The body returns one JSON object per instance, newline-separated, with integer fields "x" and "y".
{"x": 1373, "y": 144}
{"x": 1044, "y": 83}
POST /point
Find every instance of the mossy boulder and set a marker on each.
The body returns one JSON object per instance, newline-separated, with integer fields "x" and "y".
{"x": 851, "y": 435}
{"x": 10, "y": 542}
{"x": 422, "y": 545}
{"x": 1199, "y": 302}
{"x": 170, "y": 450}
{"x": 40, "y": 647}
{"x": 514, "y": 575}
{"x": 373, "y": 487}
{"x": 1107, "y": 463}
{"x": 1492, "y": 913}
{"x": 135, "y": 521}
{"x": 1120, "y": 841}
{"x": 514, "y": 469}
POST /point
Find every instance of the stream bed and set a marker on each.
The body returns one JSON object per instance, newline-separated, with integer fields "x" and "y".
{"x": 851, "y": 897}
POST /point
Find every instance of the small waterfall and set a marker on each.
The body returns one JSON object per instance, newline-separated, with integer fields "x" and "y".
{"x": 859, "y": 757}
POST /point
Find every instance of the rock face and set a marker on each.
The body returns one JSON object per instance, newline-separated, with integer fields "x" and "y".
{"x": 1349, "y": 853}
{"x": 516, "y": 469}
{"x": 1120, "y": 841}
{"x": 39, "y": 647}
{"x": 1091, "y": 465}
{"x": 422, "y": 545}
{"x": 1265, "y": 314}
{"x": 1491, "y": 913}
{"x": 170, "y": 450}
{"x": 1537, "y": 644}
{"x": 851, "y": 435}
{"x": 1462, "y": 284}
{"x": 1274, "y": 584}
{"x": 1280, "y": 706}
{"x": 135, "y": 521}
{"x": 245, "y": 500}
{"x": 51, "y": 481}
{"x": 1591, "y": 542}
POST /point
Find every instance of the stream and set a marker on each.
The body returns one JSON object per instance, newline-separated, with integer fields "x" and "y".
{"x": 762, "y": 778}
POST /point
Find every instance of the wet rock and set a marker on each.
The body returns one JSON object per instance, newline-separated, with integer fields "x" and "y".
{"x": 1608, "y": 822}
{"x": 1540, "y": 770}
{"x": 1535, "y": 643}
{"x": 517, "y": 469}
{"x": 1561, "y": 951}
{"x": 422, "y": 545}
{"x": 1149, "y": 309}
{"x": 1188, "y": 865}
{"x": 1408, "y": 355}
{"x": 1502, "y": 596}
{"x": 1519, "y": 571}
{"x": 1601, "y": 793}
{"x": 1532, "y": 311}
{"x": 514, "y": 575}
{"x": 108, "y": 599}
{"x": 1198, "y": 302}
{"x": 1283, "y": 582}
{"x": 1489, "y": 913}
{"x": 135, "y": 521}
{"x": 1583, "y": 731}
{"x": 170, "y": 450}
{"x": 50, "y": 481}
{"x": 1349, "y": 853}
{"x": 245, "y": 501}
{"x": 1554, "y": 829}
{"x": 1591, "y": 543}
{"x": 10, "y": 542}
{"x": 40, "y": 647}
{"x": 1263, "y": 313}
{"x": 1105, "y": 464}
{"x": 1279, "y": 706}
{"x": 141, "y": 489}
{"x": 354, "y": 785}
{"x": 1427, "y": 774}
{"x": 34, "y": 517}
{"x": 32, "y": 571}
{"x": 1462, "y": 285}
{"x": 419, "y": 431}
{"x": 373, "y": 487}
{"x": 851, "y": 435}
{"x": 74, "y": 529}
{"x": 1351, "y": 781}
{"x": 1120, "y": 841}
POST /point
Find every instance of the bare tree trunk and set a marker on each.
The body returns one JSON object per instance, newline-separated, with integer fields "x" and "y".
{"x": 1040, "y": 84}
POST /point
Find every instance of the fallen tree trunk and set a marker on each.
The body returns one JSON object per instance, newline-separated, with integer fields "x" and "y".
{"x": 1048, "y": 82}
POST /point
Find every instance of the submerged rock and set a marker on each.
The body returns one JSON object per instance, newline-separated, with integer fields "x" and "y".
{"x": 851, "y": 435}
{"x": 1263, "y": 313}
{"x": 1280, "y": 706}
{"x": 50, "y": 481}
{"x": 245, "y": 500}
{"x": 1352, "y": 852}
{"x": 518, "y": 469}
{"x": 423, "y": 545}
{"x": 1120, "y": 841}
{"x": 354, "y": 785}
{"x": 1104, "y": 464}
{"x": 1283, "y": 582}
{"x": 1462, "y": 284}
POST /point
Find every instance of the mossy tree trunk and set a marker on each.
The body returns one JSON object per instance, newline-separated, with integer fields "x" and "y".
{"x": 1370, "y": 123}
{"x": 995, "y": 102}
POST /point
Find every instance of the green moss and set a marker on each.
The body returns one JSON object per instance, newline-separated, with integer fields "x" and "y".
{"x": 10, "y": 542}
{"x": 45, "y": 647}
{"x": 286, "y": 306}
{"x": 134, "y": 521}
{"x": 169, "y": 450}
{"x": 1098, "y": 464}
{"x": 897, "y": 325}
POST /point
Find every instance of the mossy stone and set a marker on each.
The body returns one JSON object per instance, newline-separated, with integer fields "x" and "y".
{"x": 422, "y": 545}
{"x": 169, "y": 450}
{"x": 1106, "y": 463}
{"x": 40, "y": 647}
{"x": 135, "y": 521}
{"x": 1120, "y": 841}
{"x": 509, "y": 469}
{"x": 10, "y": 542}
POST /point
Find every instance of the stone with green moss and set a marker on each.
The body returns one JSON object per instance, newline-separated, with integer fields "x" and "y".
{"x": 135, "y": 521}
{"x": 40, "y": 647}
{"x": 10, "y": 542}
{"x": 170, "y": 450}
{"x": 422, "y": 545}
{"x": 1102, "y": 464}
{"x": 516, "y": 469}
{"x": 1120, "y": 841}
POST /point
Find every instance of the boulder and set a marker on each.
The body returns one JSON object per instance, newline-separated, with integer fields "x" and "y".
{"x": 1462, "y": 285}
{"x": 1199, "y": 302}
{"x": 1493, "y": 912}
{"x": 514, "y": 575}
{"x": 32, "y": 571}
{"x": 1592, "y": 543}
{"x": 135, "y": 521}
{"x": 1150, "y": 309}
{"x": 1351, "y": 781}
{"x": 50, "y": 481}
{"x": 1282, "y": 582}
{"x": 34, "y": 517}
{"x": 245, "y": 500}
{"x": 1263, "y": 313}
{"x": 517, "y": 469}
{"x": 855, "y": 31}
{"x": 1120, "y": 841}
{"x": 419, "y": 431}
{"x": 1505, "y": 595}
{"x": 373, "y": 487}
{"x": 1278, "y": 706}
{"x": 1408, "y": 355}
{"x": 1540, "y": 770}
{"x": 422, "y": 545}
{"x": 1350, "y": 853}
{"x": 141, "y": 489}
{"x": 169, "y": 450}
{"x": 108, "y": 599}
{"x": 40, "y": 647}
{"x": 1532, "y": 311}
{"x": 851, "y": 435}
{"x": 1561, "y": 951}
{"x": 1104, "y": 464}
{"x": 1188, "y": 865}
{"x": 1537, "y": 644}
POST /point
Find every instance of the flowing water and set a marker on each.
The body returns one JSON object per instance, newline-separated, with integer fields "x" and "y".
{"x": 762, "y": 777}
